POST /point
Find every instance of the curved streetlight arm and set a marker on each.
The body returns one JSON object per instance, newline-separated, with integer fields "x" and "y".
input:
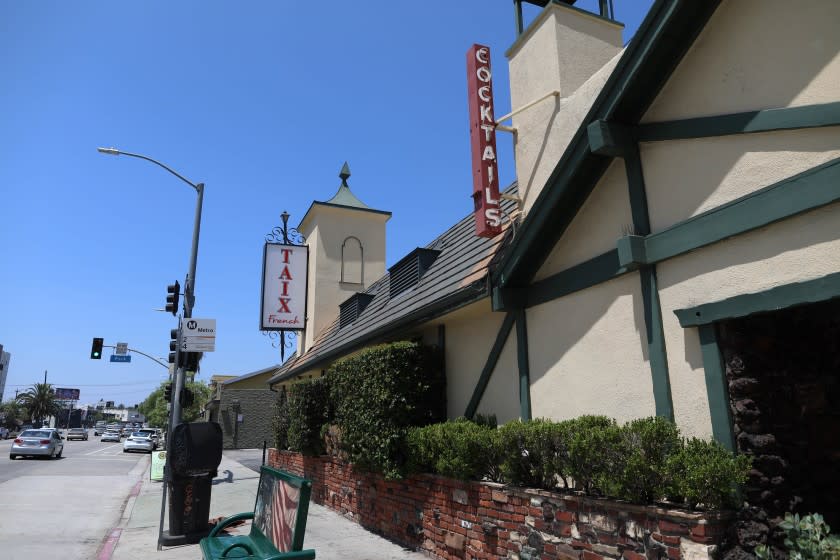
{"x": 139, "y": 352}
{"x": 116, "y": 152}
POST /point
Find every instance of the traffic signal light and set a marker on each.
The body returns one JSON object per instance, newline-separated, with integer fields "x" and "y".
{"x": 189, "y": 360}
{"x": 167, "y": 392}
{"x": 96, "y": 349}
{"x": 187, "y": 397}
{"x": 173, "y": 346}
{"x": 173, "y": 292}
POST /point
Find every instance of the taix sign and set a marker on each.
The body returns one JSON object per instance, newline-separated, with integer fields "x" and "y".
{"x": 485, "y": 172}
{"x": 284, "y": 287}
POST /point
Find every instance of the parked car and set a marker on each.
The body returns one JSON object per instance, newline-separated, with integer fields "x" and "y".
{"x": 77, "y": 433}
{"x": 37, "y": 443}
{"x": 138, "y": 442}
{"x": 110, "y": 436}
{"x": 152, "y": 433}
{"x": 4, "y": 432}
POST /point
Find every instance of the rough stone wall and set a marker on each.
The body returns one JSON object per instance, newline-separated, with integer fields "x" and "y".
{"x": 783, "y": 373}
{"x": 448, "y": 519}
{"x": 257, "y": 408}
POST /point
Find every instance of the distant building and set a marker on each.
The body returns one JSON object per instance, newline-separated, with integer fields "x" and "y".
{"x": 5, "y": 357}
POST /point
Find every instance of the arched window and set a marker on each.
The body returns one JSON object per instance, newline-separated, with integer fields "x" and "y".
{"x": 352, "y": 261}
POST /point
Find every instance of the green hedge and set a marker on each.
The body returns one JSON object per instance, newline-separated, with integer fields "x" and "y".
{"x": 308, "y": 410}
{"x": 381, "y": 392}
{"x": 642, "y": 461}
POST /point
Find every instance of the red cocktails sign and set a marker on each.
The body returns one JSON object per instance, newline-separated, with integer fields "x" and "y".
{"x": 284, "y": 287}
{"x": 488, "y": 216}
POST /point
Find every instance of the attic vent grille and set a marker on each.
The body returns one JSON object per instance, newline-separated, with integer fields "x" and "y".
{"x": 352, "y": 307}
{"x": 408, "y": 271}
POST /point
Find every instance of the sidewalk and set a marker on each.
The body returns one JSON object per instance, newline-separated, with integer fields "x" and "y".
{"x": 234, "y": 491}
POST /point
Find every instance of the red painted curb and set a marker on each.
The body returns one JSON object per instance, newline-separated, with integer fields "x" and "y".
{"x": 109, "y": 545}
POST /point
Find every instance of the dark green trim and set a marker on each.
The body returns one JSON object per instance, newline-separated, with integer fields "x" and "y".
{"x": 657, "y": 354}
{"x": 506, "y": 299}
{"x": 788, "y": 118}
{"x": 801, "y": 193}
{"x": 654, "y": 330}
{"x": 608, "y": 138}
{"x": 780, "y": 297}
{"x": 579, "y": 277}
{"x": 716, "y": 388}
{"x": 490, "y": 365}
{"x": 524, "y": 368}
{"x": 636, "y": 186}
{"x": 631, "y": 251}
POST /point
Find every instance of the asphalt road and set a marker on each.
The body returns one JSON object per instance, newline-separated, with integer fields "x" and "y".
{"x": 64, "y": 507}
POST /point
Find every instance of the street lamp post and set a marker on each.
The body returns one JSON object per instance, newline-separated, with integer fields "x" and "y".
{"x": 189, "y": 303}
{"x": 189, "y": 283}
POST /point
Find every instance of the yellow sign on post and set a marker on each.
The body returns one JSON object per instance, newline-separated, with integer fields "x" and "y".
{"x": 158, "y": 462}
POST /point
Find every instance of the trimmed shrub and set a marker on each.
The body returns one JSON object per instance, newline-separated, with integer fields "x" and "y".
{"x": 458, "y": 449}
{"x": 308, "y": 412}
{"x": 534, "y": 453}
{"x": 646, "y": 445}
{"x": 594, "y": 443}
{"x": 378, "y": 394}
{"x": 704, "y": 473}
{"x": 280, "y": 422}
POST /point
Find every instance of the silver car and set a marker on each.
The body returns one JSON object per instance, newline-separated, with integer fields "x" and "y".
{"x": 110, "y": 436}
{"x": 138, "y": 442}
{"x": 41, "y": 443}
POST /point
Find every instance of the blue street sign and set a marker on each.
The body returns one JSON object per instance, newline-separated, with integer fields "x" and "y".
{"x": 120, "y": 358}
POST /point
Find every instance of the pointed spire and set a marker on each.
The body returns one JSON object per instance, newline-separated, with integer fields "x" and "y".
{"x": 344, "y": 196}
{"x": 344, "y": 173}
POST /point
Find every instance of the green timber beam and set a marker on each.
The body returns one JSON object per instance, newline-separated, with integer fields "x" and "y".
{"x": 767, "y": 120}
{"x": 716, "y": 388}
{"x": 801, "y": 193}
{"x": 490, "y": 365}
{"x": 524, "y": 367}
{"x": 780, "y": 297}
{"x": 654, "y": 327}
{"x": 579, "y": 277}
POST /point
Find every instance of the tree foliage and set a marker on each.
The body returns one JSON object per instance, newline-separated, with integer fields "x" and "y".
{"x": 154, "y": 407}
{"x": 39, "y": 402}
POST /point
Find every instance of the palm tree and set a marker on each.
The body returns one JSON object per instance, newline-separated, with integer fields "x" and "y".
{"x": 39, "y": 402}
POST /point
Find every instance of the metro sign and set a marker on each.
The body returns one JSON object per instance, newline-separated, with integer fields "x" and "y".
{"x": 488, "y": 215}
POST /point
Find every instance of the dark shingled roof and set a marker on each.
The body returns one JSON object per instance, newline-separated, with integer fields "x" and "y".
{"x": 456, "y": 278}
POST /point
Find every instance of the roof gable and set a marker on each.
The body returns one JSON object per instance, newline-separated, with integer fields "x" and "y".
{"x": 664, "y": 37}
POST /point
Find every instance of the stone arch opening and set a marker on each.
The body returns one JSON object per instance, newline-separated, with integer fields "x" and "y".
{"x": 783, "y": 376}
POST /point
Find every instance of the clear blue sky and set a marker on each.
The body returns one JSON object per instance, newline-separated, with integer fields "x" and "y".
{"x": 263, "y": 101}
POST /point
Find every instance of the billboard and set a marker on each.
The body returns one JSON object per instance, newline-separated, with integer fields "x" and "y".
{"x": 63, "y": 394}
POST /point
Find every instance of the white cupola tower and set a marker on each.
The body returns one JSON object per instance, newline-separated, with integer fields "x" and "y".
{"x": 346, "y": 240}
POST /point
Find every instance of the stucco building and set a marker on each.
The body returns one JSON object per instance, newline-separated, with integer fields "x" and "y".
{"x": 676, "y": 250}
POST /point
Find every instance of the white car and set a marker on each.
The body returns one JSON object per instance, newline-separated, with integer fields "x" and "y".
{"x": 138, "y": 442}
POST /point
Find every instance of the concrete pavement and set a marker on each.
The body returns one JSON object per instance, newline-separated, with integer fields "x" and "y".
{"x": 234, "y": 491}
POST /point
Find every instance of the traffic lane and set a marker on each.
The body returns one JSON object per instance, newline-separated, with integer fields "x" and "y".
{"x": 98, "y": 459}
{"x": 65, "y": 505}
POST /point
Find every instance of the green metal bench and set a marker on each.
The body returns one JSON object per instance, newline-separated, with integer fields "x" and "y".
{"x": 279, "y": 522}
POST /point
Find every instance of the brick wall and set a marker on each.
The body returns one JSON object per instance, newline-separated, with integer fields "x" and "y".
{"x": 257, "y": 409}
{"x": 447, "y": 518}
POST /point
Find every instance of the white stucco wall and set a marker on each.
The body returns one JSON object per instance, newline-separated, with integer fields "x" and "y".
{"x": 795, "y": 250}
{"x": 756, "y": 54}
{"x": 326, "y": 229}
{"x": 601, "y": 221}
{"x": 470, "y": 334}
{"x": 589, "y": 354}
{"x": 684, "y": 178}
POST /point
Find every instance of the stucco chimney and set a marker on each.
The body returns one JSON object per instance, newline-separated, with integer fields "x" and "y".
{"x": 561, "y": 50}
